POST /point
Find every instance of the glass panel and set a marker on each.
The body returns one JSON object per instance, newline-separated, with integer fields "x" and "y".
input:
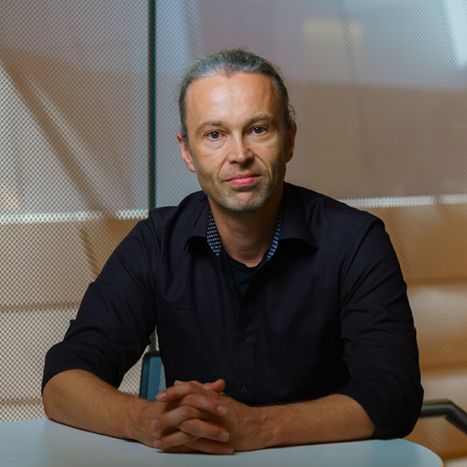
{"x": 379, "y": 88}
{"x": 380, "y": 92}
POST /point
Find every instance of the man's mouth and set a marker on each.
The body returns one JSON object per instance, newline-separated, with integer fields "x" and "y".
{"x": 243, "y": 180}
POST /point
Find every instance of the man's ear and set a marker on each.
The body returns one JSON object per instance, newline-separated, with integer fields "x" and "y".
{"x": 185, "y": 152}
{"x": 291, "y": 141}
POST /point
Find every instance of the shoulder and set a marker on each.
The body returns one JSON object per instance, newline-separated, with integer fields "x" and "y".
{"x": 325, "y": 214}
{"x": 168, "y": 224}
{"x": 166, "y": 229}
{"x": 175, "y": 218}
{"x": 344, "y": 237}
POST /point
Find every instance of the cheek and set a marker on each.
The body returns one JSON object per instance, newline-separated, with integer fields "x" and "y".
{"x": 206, "y": 169}
{"x": 272, "y": 156}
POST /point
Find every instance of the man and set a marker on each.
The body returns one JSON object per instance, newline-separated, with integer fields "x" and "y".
{"x": 281, "y": 314}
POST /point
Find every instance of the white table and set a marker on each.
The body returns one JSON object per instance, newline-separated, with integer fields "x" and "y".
{"x": 42, "y": 443}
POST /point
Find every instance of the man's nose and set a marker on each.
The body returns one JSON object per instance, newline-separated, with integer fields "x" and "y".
{"x": 240, "y": 152}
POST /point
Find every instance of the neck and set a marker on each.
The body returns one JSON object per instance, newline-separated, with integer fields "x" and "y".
{"x": 247, "y": 236}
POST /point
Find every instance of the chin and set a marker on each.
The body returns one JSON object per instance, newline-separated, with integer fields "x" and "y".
{"x": 244, "y": 207}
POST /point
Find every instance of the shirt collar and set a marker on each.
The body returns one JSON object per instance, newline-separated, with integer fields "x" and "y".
{"x": 215, "y": 243}
{"x": 213, "y": 237}
{"x": 292, "y": 224}
{"x": 296, "y": 222}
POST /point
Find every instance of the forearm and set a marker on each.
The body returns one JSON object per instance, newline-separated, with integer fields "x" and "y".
{"x": 79, "y": 398}
{"x": 331, "y": 418}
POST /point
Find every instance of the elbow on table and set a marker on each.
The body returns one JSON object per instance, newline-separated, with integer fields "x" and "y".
{"x": 47, "y": 402}
{"x": 401, "y": 414}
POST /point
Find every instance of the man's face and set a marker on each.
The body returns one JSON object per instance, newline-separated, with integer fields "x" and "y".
{"x": 238, "y": 144}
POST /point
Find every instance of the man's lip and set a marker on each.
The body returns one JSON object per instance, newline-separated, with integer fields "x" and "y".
{"x": 243, "y": 180}
{"x": 242, "y": 177}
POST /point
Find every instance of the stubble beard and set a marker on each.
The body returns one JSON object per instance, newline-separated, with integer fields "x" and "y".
{"x": 235, "y": 202}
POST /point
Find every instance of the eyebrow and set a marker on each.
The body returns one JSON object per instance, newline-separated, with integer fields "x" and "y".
{"x": 218, "y": 123}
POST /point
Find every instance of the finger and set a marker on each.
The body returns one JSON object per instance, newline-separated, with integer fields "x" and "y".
{"x": 181, "y": 390}
{"x": 181, "y": 442}
{"x": 171, "y": 443}
{"x": 177, "y": 382}
{"x": 173, "y": 440}
{"x": 217, "y": 386}
{"x": 210, "y": 447}
{"x": 218, "y": 382}
{"x": 202, "y": 429}
{"x": 205, "y": 404}
{"x": 174, "y": 418}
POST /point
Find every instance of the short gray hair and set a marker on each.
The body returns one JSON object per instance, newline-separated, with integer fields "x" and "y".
{"x": 229, "y": 62}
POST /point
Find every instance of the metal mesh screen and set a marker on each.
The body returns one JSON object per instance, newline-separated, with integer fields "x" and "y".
{"x": 73, "y": 169}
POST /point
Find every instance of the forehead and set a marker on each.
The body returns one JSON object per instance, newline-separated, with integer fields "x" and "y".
{"x": 221, "y": 97}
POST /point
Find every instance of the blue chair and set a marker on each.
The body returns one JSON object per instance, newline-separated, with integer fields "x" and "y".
{"x": 152, "y": 373}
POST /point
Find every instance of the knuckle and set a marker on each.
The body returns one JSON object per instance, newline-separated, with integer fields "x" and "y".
{"x": 218, "y": 432}
{"x": 190, "y": 399}
{"x": 188, "y": 425}
{"x": 186, "y": 411}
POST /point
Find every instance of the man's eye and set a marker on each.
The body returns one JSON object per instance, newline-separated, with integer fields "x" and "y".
{"x": 214, "y": 135}
{"x": 258, "y": 130}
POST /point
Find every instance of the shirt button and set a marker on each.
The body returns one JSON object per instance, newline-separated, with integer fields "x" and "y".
{"x": 244, "y": 389}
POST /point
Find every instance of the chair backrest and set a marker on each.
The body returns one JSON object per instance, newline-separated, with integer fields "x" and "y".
{"x": 152, "y": 375}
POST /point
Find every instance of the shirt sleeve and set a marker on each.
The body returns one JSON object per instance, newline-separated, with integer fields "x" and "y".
{"x": 379, "y": 337}
{"x": 115, "y": 318}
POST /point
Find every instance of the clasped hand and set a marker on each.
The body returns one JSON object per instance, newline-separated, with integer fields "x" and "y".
{"x": 199, "y": 417}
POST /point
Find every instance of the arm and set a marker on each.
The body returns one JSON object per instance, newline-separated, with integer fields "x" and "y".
{"x": 331, "y": 418}
{"x": 79, "y": 398}
{"x": 378, "y": 336}
{"x": 108, "y": 336}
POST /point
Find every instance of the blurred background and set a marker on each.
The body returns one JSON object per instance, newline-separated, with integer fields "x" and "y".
{"x": 88, "y": 117}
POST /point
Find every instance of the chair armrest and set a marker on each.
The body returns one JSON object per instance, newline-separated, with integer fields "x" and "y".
{"x": 447, "y": 409}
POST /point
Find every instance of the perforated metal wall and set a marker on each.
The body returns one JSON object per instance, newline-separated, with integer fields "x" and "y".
{"x": 73, "y": 169}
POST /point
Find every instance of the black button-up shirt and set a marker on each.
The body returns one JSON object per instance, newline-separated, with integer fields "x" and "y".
{"x": 326, "y": 313}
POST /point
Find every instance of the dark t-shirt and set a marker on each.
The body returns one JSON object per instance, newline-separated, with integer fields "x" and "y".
{"x": 327, "y": 313}
{"x": 241, "y": 275}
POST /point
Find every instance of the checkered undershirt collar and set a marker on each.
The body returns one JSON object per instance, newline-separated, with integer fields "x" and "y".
{"x": 215, "y": 243}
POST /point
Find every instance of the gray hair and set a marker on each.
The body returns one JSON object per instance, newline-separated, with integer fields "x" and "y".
{"x": 229, "y": 62}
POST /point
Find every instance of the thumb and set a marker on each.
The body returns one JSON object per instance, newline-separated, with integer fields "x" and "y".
{"x": 217, "y": 386}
